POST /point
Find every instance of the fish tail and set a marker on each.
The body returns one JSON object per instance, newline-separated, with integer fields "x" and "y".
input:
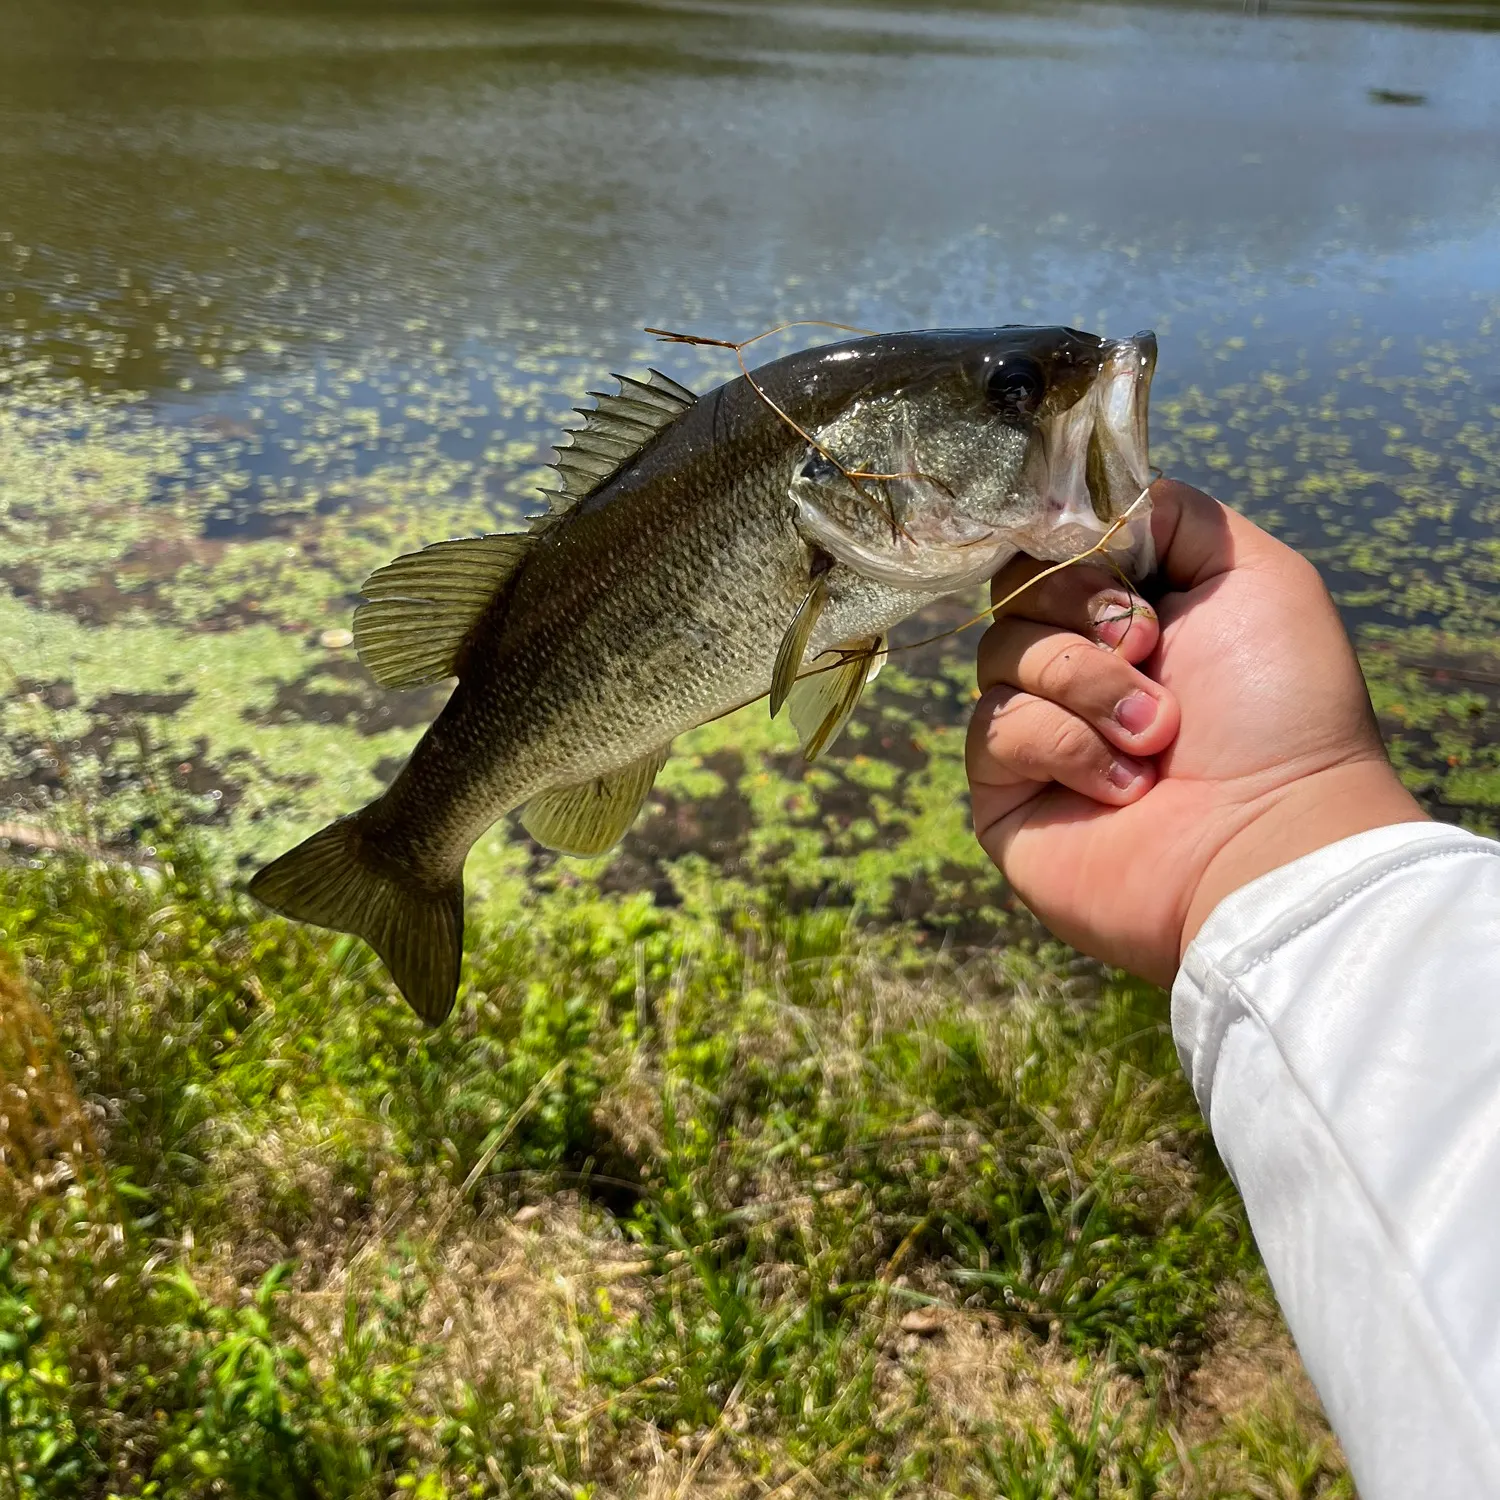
{"x": 338, "y": 879}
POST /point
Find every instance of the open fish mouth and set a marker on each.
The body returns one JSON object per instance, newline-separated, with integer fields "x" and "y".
{"x": 1092, "y": 464}
{"x": 1122, "y": 397}
{"x": 1083, "y": 479}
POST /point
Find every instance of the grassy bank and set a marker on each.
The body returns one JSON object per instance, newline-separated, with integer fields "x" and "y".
{"x": 682, "y": 1201}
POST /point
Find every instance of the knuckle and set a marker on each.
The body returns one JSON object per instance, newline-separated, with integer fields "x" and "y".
{"x": 1075, "y": 742}
{"x": 993, "y": 702}
{"x": 1067, "y": 593}
{"x": 988, "y": 749}
{"x": 1004, "y": 725}
{"x": 1014, "y": 575}
{"x": 1021, "y": 753}
{"x": 1033, "y": 738}
{"x": 994, "y": 654}
{"x": 987, "y": 712}
{"x": 1043, "y": 598}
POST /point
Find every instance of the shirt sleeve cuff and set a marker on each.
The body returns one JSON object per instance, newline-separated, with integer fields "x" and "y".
{"x": 1250, "y": 924}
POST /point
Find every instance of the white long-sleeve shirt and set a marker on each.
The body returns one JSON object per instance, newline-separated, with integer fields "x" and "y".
{"x": 1340, "y": 1021}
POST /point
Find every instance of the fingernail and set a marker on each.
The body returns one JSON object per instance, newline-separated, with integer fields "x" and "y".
{"x": 1123, "y": 775}
{"x": 1136, "y": 713}
{"x": 1111, "y": 616}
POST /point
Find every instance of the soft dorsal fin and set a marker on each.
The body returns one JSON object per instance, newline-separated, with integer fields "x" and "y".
{"x": 420, "y": 609}
{"x": 614, "y": 430}
{"x": 592, "y": 817}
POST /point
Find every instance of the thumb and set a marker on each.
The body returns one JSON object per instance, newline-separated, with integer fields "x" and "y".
{"x": 1197, "y": 538}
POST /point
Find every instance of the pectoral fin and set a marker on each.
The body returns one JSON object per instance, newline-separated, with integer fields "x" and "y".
{"x": 592, "y": 817}
{"x": 821, "y": 701}
{"x": 794, "y": 642}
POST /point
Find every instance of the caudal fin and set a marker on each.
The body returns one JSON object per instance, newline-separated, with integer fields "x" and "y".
{"x": 334, "y": 880}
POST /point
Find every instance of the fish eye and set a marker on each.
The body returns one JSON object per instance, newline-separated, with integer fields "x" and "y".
{"x": 818, "y": 468}
{"x": 1016, "y": 386}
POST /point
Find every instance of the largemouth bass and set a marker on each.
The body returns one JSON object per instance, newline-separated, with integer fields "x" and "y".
{"x": 702, "y": 551}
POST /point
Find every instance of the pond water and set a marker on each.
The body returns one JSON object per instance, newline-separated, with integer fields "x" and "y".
{"x": 287, "y": 290}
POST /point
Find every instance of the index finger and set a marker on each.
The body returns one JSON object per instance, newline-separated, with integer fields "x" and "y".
{"x": 1080, "y": 598}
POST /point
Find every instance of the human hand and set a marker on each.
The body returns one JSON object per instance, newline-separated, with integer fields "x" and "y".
{"x": 1125, "y": 791}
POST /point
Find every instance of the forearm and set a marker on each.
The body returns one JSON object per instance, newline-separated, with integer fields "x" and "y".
{"x": 1340, "y": 1020}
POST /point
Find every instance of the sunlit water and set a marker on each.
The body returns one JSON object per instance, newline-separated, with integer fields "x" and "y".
{"x": 284, "y": 287}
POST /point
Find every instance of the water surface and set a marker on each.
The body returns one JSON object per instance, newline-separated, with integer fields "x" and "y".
{"x": 289, "y": 289}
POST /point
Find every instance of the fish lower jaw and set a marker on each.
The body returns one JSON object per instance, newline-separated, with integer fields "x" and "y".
{"x": 1067, "y": 530}
{"x": 1091, "y": 470}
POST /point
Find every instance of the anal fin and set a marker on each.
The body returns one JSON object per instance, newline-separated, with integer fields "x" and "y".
{"x": 592, "y": 817}
{"x": 823, "y": 698}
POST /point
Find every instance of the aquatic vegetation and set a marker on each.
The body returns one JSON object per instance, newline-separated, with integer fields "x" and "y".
{"x": 1382, "y": 465}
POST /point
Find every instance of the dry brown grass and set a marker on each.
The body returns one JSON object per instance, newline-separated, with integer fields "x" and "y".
{"x": 1252, "y": 1365}
{"x": 46, "y": 1137}
{"x": 984, "y": 1374}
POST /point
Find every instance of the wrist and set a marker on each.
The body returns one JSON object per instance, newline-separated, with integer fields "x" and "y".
{"x": 1305, "y": 815}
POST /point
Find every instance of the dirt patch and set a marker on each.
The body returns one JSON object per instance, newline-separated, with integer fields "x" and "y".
{"x": 1251, "y": 1364}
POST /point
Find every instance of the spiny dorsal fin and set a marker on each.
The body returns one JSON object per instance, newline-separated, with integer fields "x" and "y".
{"x": 421, "y": 607}
{"x": 593, "y": 817}
{"x": 820, "y": 703}
{"x": 613, "y": 432}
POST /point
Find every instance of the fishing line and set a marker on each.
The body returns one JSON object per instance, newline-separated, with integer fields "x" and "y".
{"x": 887, "y": 505}
{"x": 846, "y": 656}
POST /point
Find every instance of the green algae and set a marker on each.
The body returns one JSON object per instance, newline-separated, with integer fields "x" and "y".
{"x": 1437, "y": 695}
{"x": 133, "y": 615}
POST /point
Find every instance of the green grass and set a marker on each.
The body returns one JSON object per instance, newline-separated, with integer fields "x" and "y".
{"x": 681, "y": 1201}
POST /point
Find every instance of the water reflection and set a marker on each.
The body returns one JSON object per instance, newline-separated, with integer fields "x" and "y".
{"x": 181, "y": 189}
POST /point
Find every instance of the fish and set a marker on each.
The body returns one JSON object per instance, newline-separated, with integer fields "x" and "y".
{"x": 698, "y": 553}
